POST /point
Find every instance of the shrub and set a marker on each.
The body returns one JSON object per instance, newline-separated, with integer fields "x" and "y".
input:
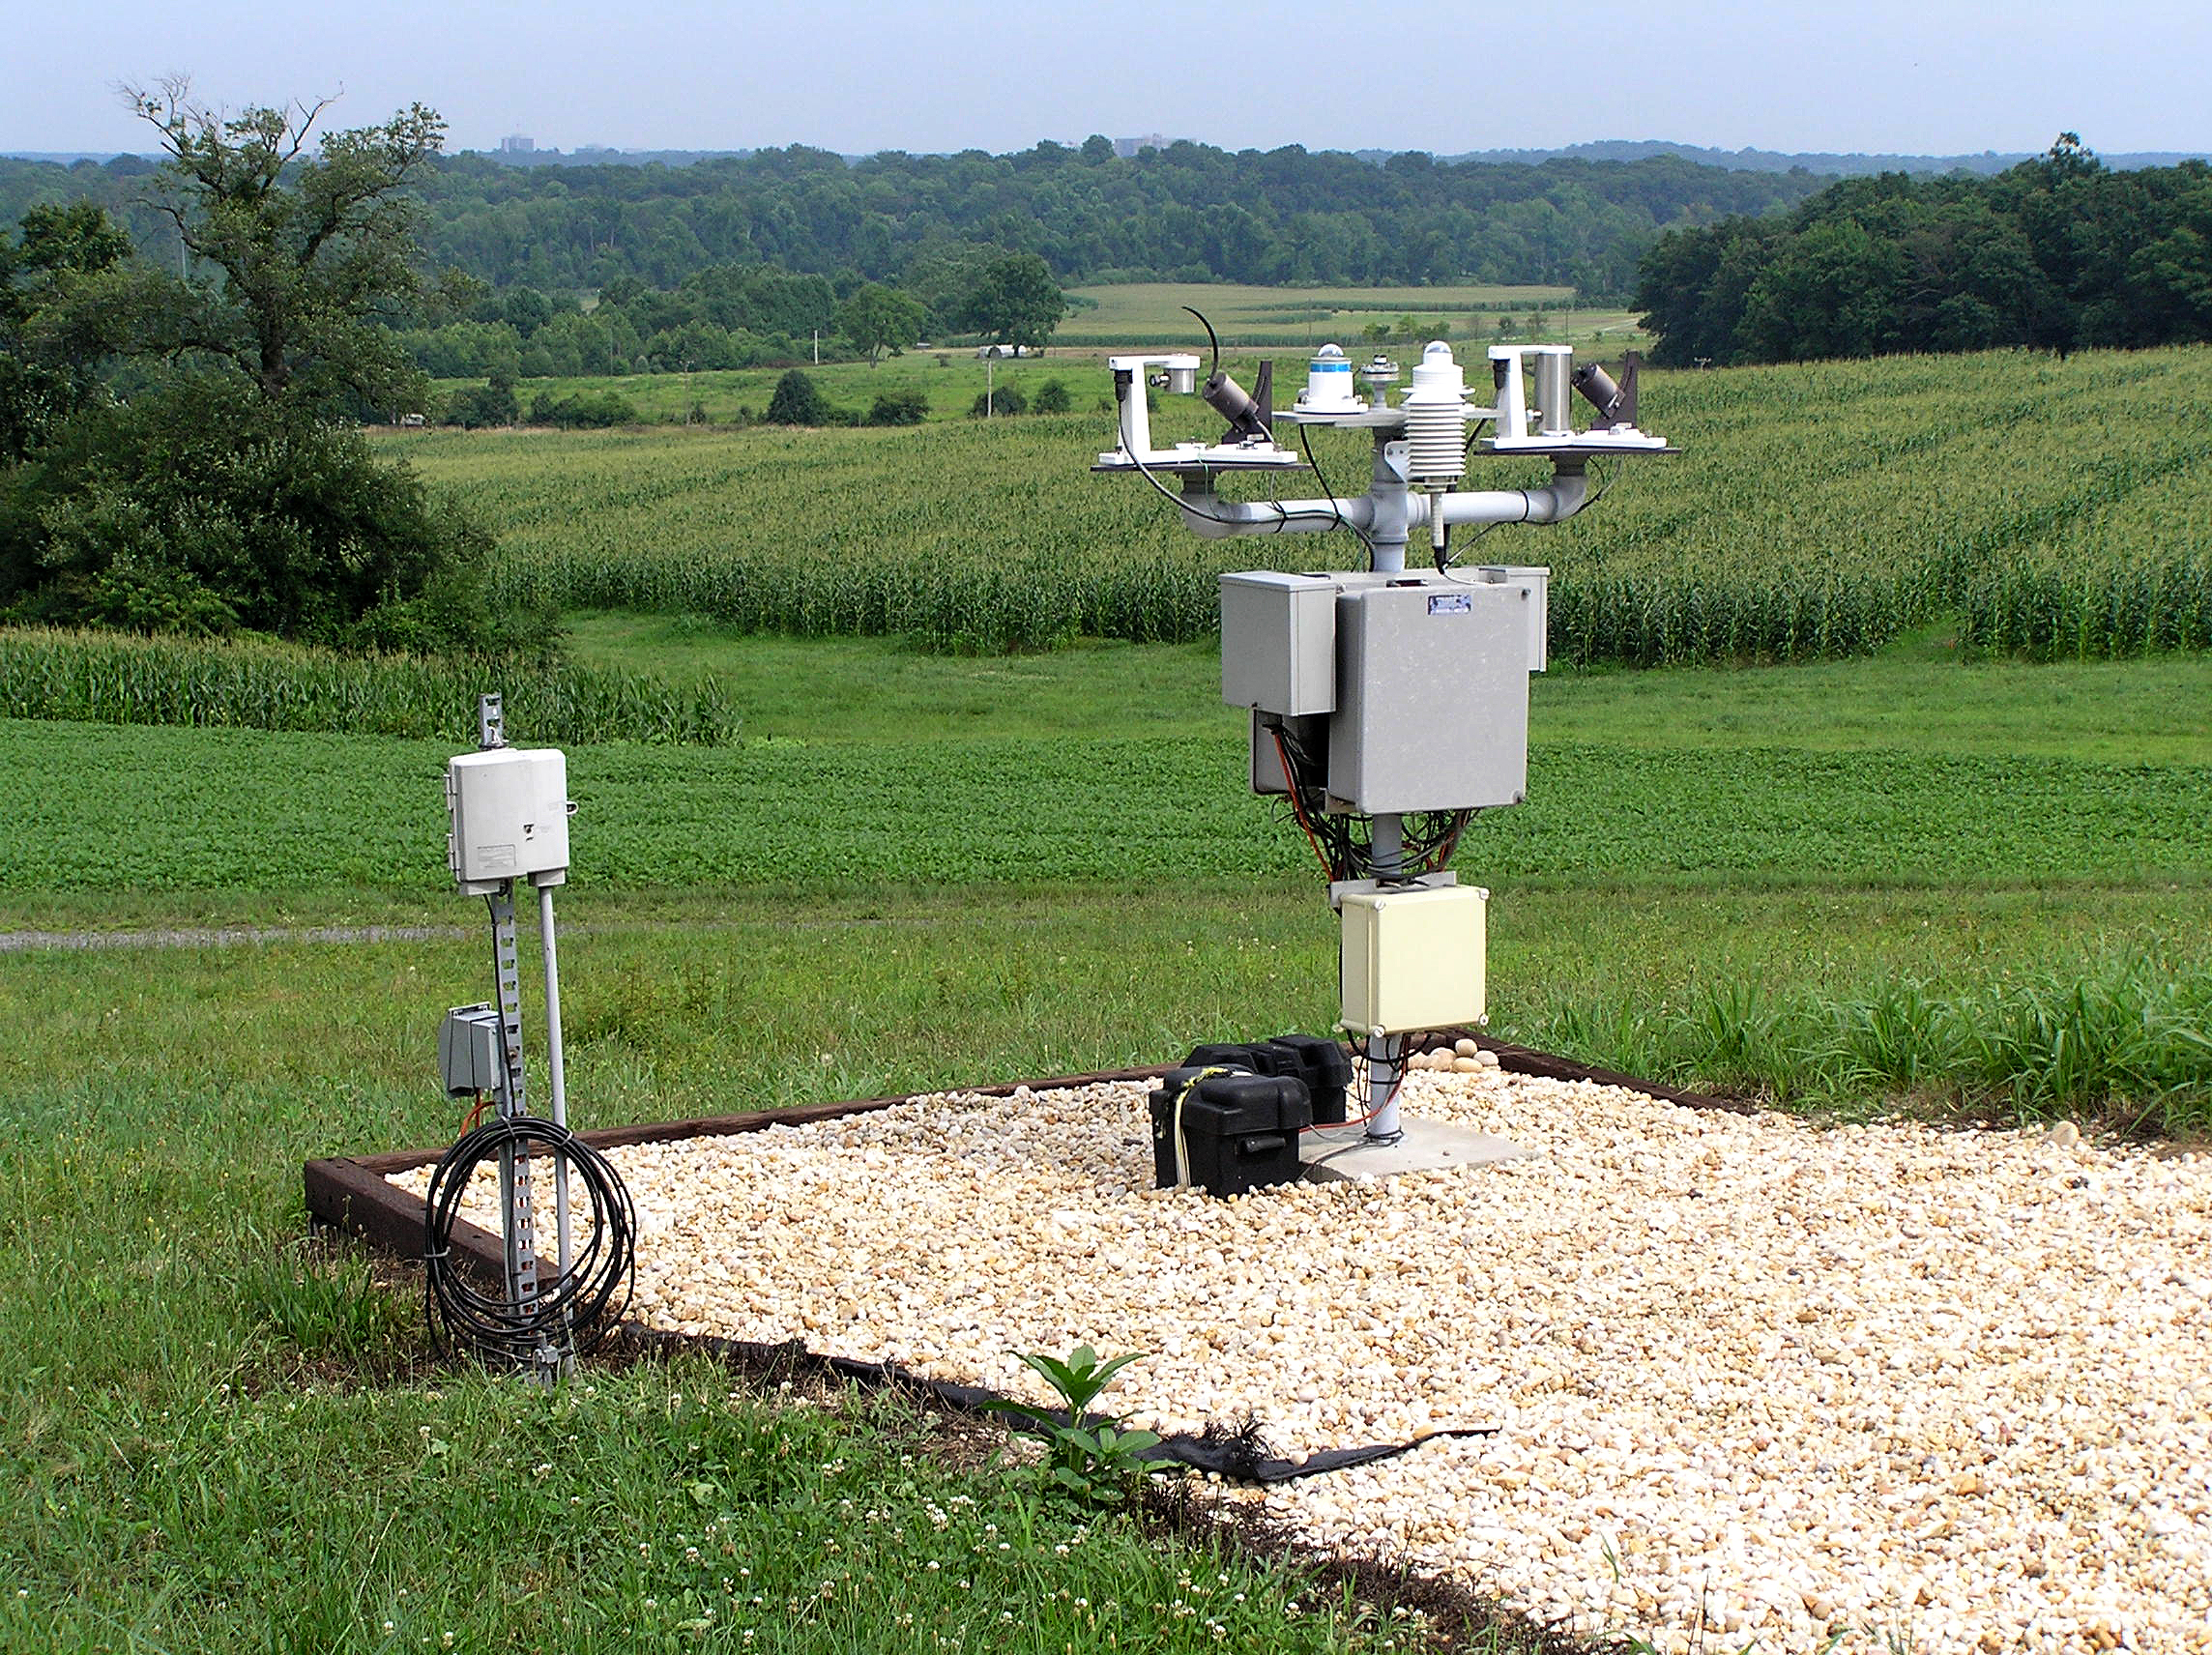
{"x": 492, "y": 403}
{"x": 1006, "y": 399}
{"x": 195, "y": 511}
{"x": 900, "y": 408}
{"x": 585, "y": 410}
{"x": 1051, "y": 398}
{"x": 797, "y": 402}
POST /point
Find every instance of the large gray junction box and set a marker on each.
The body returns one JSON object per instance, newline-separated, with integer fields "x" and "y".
{"x": 1415, "y": 684}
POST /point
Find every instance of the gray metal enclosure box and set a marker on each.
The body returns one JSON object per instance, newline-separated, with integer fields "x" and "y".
{"x": 1278, "y": 641}
{"x": 1432, "y": 695}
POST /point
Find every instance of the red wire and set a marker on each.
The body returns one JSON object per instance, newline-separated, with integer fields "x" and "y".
{"x": 1362, "y": 1120}
{"x": 1298, "y": 809}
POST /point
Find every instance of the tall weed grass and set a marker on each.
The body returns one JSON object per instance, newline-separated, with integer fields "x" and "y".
{"x": 2128, "y": 1042}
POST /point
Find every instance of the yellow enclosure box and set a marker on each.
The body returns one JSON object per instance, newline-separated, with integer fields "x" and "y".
{"x": 1413, "y": 959}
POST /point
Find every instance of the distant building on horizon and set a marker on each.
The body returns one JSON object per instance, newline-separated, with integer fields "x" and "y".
{"x": 1127, "y": 147}
{"x": 517, "y": 143}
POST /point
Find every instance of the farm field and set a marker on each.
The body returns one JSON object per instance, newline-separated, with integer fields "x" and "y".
{"x": 2018, "y": 503}
{"x": 1975, "y": 888}
{"x": 950, "y": 378}
{"x": 1135, "y": 314}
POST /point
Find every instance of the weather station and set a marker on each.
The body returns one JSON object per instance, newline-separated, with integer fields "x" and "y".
{"x": 1388, "y": 706}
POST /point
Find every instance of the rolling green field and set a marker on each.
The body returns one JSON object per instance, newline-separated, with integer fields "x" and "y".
{"x": 2018, "y": 503}
{"x": 950, "y": 378}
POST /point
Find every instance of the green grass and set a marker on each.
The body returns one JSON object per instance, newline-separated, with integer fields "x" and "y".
{"x": 1918, "y": 697}
{"x": 249, "y": 810}
{"x": 1981, "y": 886}
{"x": 2020, "y": 505}
{"x": 855, "y": 689}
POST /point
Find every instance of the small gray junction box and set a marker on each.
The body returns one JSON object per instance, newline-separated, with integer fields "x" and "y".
{"x": 470, "y": 1058}
{"x": 1419, "y": 701}
{"x": 1278, "y": 641}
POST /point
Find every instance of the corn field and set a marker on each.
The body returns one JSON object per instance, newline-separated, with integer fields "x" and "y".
{"x": 2044, "y": 508}
{"x": 110, "y": 678}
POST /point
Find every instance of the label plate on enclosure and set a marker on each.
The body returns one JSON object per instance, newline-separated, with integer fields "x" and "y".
{"x": 1450, "y": 603}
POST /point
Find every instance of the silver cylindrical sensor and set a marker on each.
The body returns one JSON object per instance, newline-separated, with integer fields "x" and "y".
{"x": 1552, "y": 394}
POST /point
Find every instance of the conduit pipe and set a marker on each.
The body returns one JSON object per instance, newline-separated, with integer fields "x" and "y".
{"x": 1211, "y": 517}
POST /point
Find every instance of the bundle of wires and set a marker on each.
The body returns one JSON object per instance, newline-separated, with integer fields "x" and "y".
{"x": 570, "y": 1315}
{"x": 1344, "y": 843}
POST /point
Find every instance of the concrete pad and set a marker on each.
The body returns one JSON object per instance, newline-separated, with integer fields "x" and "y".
{"x": 1345, "y": 1151}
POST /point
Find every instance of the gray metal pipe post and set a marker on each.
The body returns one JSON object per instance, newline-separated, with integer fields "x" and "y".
{"x": 556, "y": 1070}
{"x": 1385, "y": 1053}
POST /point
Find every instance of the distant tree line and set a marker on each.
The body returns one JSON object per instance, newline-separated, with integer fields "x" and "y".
{"x": 1188, "y": 212}
{"x": 2059, "y": 254}
{"x": 726, "y": 316}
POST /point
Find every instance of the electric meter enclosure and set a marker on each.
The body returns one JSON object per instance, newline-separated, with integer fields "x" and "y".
{"x": 509, "y": 809}
{"x": 1278, "y": 641}
{"x": 1414, "y": 958}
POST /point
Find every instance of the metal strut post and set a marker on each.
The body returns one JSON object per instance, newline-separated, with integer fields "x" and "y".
{"x": 513, "y": 1163}
{"x": 518, "y": 1220}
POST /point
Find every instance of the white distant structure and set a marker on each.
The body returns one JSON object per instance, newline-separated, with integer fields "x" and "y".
{"x": 1127, "y": 147}
{"x": 517, "y": 143}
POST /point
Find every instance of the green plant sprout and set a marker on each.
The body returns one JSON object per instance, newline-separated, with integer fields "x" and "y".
{"x": 1092, "y": 1459}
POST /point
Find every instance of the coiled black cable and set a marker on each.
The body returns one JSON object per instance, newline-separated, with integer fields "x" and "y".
{"x": 570, "y": 1315}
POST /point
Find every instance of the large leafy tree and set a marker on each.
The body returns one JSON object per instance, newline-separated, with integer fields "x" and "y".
{"x": 877, "y": 319}
{"x": 1016, "y": 301}
{"x": 177, "y": 458}
{"x": 300, "y": 249}
{"x": 52, "y": 341}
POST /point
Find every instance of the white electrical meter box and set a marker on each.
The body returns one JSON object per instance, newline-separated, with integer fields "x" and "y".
{"x": 1413, "y": 958}
{"x": 509, "y": 811}
{"x": 1278, "y": 641}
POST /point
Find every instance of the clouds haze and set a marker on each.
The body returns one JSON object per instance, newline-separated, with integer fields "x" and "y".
{"x": 859, "y": 75}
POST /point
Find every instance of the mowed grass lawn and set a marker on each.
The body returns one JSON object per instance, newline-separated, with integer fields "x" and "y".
{"x": 921, "y": 870}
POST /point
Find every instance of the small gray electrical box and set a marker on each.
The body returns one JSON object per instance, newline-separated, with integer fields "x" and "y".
{"x": 470, "y": 1055}
{"x": 1278, "y": 641}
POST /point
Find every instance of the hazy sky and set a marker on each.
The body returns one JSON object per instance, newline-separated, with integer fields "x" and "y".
{"x": 1935, "y": 77}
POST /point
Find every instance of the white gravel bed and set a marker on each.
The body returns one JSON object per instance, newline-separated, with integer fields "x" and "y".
{"x": 1761, "y": 1384}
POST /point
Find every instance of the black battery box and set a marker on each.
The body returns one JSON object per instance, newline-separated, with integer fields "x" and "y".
{"x": 1322, "y": 1063}
{"x": 1240, "y": 1130}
